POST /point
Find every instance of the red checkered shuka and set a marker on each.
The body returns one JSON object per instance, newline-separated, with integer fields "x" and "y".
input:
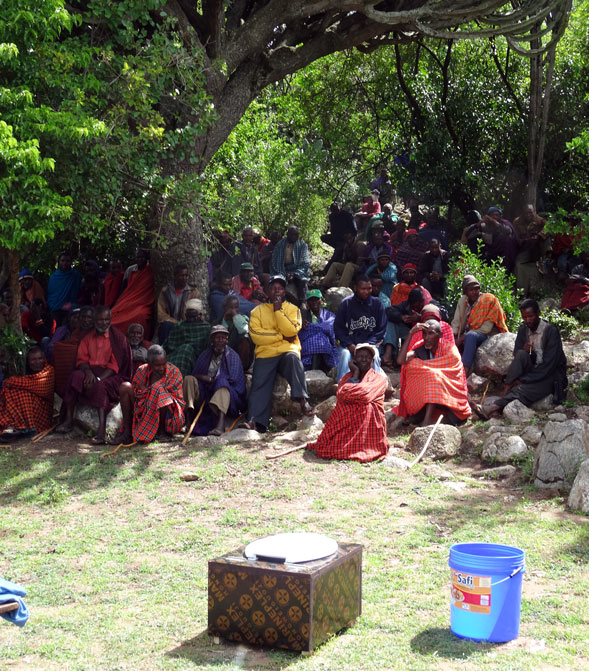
{"x": 26, "y": 401}
{"x": 150, "y": 398}
{"x": 440, "y": 381}
{"x": 356, "y": 429}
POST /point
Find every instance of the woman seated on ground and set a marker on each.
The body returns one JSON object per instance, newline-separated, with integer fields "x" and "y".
{"x": 433, "y": 382}
{"x": 26, "y": 401}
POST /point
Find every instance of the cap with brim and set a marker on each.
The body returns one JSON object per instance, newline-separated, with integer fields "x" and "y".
{"x": 376, "y": 192}
{"x": 219, "y": 328}
{"x": 278, "y": 278}
{"x": 411, "y": 231}
{"x": 314, "y": 293}
{"x": 494, "y": 209}
{"x": 409, "y": 266}
{"x": 470, "y": 281}
{"x": 246, "y": 266}
{"x": 383, "y": 255}
{"x": 365, "y": 345}
{"x": 194, "y": 304}
{"x": 25, "y": 272}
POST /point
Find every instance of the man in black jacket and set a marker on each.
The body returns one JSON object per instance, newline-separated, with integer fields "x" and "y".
{"x": 539, "y": 363}
{"x": 433, "y": 268}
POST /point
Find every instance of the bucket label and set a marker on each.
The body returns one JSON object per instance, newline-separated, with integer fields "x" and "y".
{"x": 471, "y": 592}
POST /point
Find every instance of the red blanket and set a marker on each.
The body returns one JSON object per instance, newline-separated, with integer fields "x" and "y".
{"x": 135, "y": 304}
{"x": 576, "y": 296}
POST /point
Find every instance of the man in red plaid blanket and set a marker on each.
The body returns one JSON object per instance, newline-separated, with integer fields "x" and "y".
{"x": 153, "y": 402}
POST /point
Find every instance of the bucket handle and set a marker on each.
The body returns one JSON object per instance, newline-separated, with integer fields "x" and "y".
{"x": 511, "y": 575}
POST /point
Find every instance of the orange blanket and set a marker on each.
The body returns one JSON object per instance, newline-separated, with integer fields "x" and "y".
{"x": 487, "y": 308}
{"x": 135, "y": 304}
{"x": 401, "y": 292}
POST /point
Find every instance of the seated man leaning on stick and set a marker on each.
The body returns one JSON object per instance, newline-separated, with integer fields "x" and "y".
{"x": 153, "y": 403}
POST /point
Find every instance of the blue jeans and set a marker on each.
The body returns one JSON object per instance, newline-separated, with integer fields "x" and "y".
{"x": 343, "y": 365}
{"x": 472, "y": 340}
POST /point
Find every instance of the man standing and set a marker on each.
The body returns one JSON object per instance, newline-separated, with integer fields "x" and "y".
{"x": 103, "y": 363}
{"x": 171, "y": 303}
{"x": 218, "y": 382}
{"x": 153, "y": 402}
{"x": 360, "y": 318}
{"x": 274, "y": 328}
{"x": 135, "y": 304}
{"x": 539, "y": 363}
{"x": 341, "y": 222}
{"x": 290, "y": 259}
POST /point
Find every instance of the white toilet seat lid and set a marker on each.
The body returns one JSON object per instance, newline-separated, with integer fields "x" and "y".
{"x": 292, "y": 548}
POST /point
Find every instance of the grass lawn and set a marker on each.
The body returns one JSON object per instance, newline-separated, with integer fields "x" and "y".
{"x": 114, "y": 557}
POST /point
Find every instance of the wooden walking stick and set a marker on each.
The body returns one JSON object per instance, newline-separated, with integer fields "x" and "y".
{"x": 283, "y": 454}
{"x": 427, "y": 442}
{"x": 117, "y": 448}
{"x": 194, "y": 421}
{"x": 39, "y": 436}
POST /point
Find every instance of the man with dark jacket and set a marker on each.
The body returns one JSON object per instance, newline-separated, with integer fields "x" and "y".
{"x": 361, "y": 318}
{"x": 539, "y": 363}
{"x": 433, "y": 268}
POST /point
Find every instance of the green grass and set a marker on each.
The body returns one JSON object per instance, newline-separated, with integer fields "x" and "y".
{"x": 114, "y": 557}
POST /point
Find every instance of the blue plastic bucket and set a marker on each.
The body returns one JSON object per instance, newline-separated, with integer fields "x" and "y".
{"x": 486, "y": 591}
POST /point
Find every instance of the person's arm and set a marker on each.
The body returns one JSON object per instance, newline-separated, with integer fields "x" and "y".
{"x": 458, "y": 314}
{"x": 304, "y": 264}
{"x": 361, "y": 392}
{"x": 340, "y": 326}
{"x": 274, "y": 268}
{"x": 262, "y": 334}
{"x": 288, "y": 320}
{"x": 395, "y": 313}
{"x": 162, "y": 309}
{"x": 381, "y": 323}
{"x": 552, "y": 346}
{"x": 404, "y": 355}
{"x": 485, "y": 328}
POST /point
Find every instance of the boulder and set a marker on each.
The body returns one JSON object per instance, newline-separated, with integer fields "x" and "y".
{"x": 579, "y": 496}
{"x": 531, "y": 435}
{"x": 494, "y": 355}
{"x": 324, "y": 409}
{"x": 488, "y": 402}
{"x": 557, "y": 417}
{"x": 502, "y": 448}
{"x": 517, "y": 412}
{"x": 282, "y": 404}
{"x": 235, "y": 436}
{"x": 476, "y": 383}
{"x": 87, "y": 419}
{"x": 319, "y": 385}
{"x": 498, "y": 473}
{"x": 313, "y": 425}
{"x": 544, "y": 404}
{"x": 548, "y": 304}
{"x": 562, "y": 449}
{"x": 578, "y": 355}
{"x": 396, "y": 463}
{"x": 444, "y": 444}
{"x": 334, "y": 296}
{"x": 437, "y": 472}
{"x": 506, "y": 429}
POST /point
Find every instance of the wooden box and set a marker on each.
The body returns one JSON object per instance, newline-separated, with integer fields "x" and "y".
{"x": 290, "y": 606}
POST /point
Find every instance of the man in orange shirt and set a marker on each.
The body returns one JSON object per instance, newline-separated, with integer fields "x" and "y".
{"x": 103, "y": 363}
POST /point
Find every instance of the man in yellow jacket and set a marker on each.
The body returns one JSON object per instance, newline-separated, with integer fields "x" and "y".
{"x": 273, "y": 329}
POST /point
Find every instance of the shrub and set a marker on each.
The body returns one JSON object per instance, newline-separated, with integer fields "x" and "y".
{"x": 582, "y": 390}
{"x": 493, "y": 277}
{"x": 13, "y": 347}
{"x": 566, "y": 323}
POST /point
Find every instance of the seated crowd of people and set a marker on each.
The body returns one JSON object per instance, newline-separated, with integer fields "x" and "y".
{"x": 174, "y": 361}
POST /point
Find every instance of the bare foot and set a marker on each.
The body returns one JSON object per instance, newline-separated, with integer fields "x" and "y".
{"x": 251, "y": 425}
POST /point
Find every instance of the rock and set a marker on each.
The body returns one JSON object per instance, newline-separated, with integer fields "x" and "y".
{"x": 517, "y": 412}
{"x": 562, "y": 449}
{"x": 235, "y": 436}
{"x": 437, "y": 472}
{"x": 505, "y": 429}
{"x": 575, "y": 378}
{"x": 498, "y": 473}
{"x": 471, "y": 440}
{"x": 396, "y": 463}
{"x": 189, "y": 477}
{"x": 476, "y": 383}
{"x": 312, "y": 425}
{"x": 457, "y": 486}
{"x": 299, "y": 437}
{"x": 334, "y": 296}
{"x": 579, "y": 496}
{"x": 445, "y": 442}
{"x": 494, "y": 355}
{"x": 531, "y": 435}
{"x": 488, "y": 402}
{"x": 544, "y": 404}
{"x": 502, "y": 448}
{"x": 578, "y": 355}
{"x": 582, "y": 412}
{"x": 557, "y": 417}
{"x": 319, "y": 385}
{"x": 394, "y": 378}
{"x": 323, "y": 409}
{"x": 548, "y": 304}
{"x": 280, "y": 422}
{"x": 87, "y": 419}
{"x": 282, "y": 404}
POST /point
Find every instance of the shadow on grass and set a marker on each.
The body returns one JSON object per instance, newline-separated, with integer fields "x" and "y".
{"x": 202, "y": 650}
{"x": 68, "y": 466}
{"x": 442, "y": 643}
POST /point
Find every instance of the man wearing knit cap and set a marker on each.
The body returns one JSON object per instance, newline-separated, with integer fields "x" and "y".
{"x": 188, "y": 338}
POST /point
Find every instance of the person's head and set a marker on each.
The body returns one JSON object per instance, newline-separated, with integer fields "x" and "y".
{"x": 432, "y": 334}
{"x": 362, "y": 287}
{"x": 415, "y": 299}
{"x": 363, "y": 356}
{"x": 224, "y": 283}
{"x": 409, "y": 273}
{"x": 193, "y": 310}
{"x": 471, "y": 287}
{"x": 102, "y": 319}
{"x": 247, "y": 235}
{"x": 472, "y": 217}
{"x": 376, "y": 285}
{"x": 64, "y": 262}
{"x": 277, "y": 288}
{"x": 530, "y": 311}
{"x": 25, "y": 278}
{"x": 411, "y": 237}
{"x": 430, "y": 311}
{"x": 275, "y": 236}
{"x": 334, "y": 207}
{"x": 383, "y": 260}
{"x": 35, "y": 361}
{"x": 349, "y": 238}
{"x": 375, "y": 194}
{"x": 376, "y": 236}
{"x": 246, "y": 273}
{"x": 73, "y": 320}
{"x": 292, "y": 234}
{"x": 141, "y": 257}
{"x": 219, "y": 338}
{"x": 115, "y": 267}
{"x": 314, "y": 298}
{"x": 87, "y": 318}
{"x": 135, "y": 334}
{"x": 181, "y": 275}
{"x": 224, "y": 238}
{"x": 434, "y": 247}
{"x": 156, "y": 358}
{"x": 230, "y": 306}
{"x": 528, "y": 213}
{"x": 495, "y": 212}
{"x": 387, "y": 208}
{"x": 91, "y": 270}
